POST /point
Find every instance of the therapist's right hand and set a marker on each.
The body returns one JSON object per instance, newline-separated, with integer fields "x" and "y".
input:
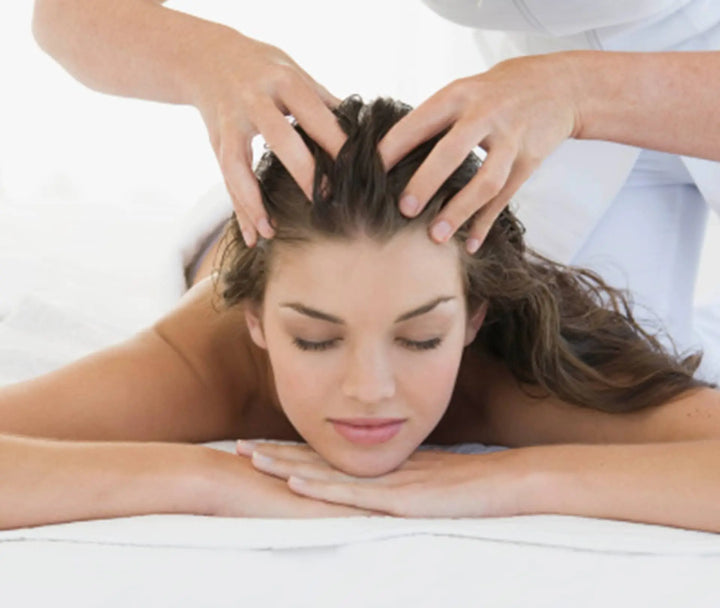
{"x": 245, "y": 87}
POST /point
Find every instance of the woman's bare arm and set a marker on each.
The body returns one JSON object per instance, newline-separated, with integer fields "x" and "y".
{"x": 671, "y": 484}
{"x": 515, "y": 419}
{"x": 184, "y": 379}
{"x": 45, "y": 481}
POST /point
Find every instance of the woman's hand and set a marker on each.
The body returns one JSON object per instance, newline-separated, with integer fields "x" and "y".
{"x": 428, "y": 484}
{"x": 518, "y": 112}
{"x": 234, "y": 488}
{"x": 244, "y": 87}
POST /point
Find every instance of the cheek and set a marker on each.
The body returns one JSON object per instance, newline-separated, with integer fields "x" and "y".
{"x": 301, "y": 382}
{"x": 430, "y": 380}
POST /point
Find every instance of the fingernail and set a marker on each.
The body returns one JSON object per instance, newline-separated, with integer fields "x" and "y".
{"x": 265, "y": 229}
{"x": 261, "y": 458}
{"x": 441, "y": 230}
{"x": 473, "y": 245}
{"x": 246, "y": 447}
{"x": 409, "y": 204}
{"x": 296, "y": 481}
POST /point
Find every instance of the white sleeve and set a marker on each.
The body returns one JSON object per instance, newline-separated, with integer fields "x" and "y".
{"x": 550, "y": 17}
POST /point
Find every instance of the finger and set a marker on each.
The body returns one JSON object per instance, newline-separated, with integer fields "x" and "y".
{"x": 235, "y": 163}
{"x": 483, "y": 222}
{"x": 285, "y": 468}
{"x": 303, "y": 453}
{"x": 364, "y": 496}
{"x": 330, "y": 100}
{"x": 484, "y": 186}
{"x": 445, "y": 157}
{"x": 287, "y": 144}
{"x": 315, "y": 117}
{"x": 327, "y": 97}
{"x": 430, "y": 118}
{"x": 246, "y": 227}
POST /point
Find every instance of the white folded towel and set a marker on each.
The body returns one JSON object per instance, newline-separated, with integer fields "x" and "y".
{"x": 191, "y": 235}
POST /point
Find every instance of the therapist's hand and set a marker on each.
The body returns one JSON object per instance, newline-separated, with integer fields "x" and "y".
{"x": 518, "y": 112}
{"x": 245, "y": 87}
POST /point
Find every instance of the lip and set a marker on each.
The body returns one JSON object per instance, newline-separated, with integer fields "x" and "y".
{"x": 368, "y": 431}
{"x": 367, "y": 421}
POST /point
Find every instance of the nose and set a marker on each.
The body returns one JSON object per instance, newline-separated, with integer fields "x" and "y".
{"x": 369, "y": 377}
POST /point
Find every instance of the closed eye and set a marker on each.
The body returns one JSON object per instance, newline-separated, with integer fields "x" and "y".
{"x": 411, "y": 344}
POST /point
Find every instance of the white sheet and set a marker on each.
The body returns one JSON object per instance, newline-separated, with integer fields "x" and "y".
{"x": 97, "y": 287}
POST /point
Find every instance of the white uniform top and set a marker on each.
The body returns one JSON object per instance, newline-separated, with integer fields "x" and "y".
{"x": 579, "y": 202}
{"x": 600, "y": 168}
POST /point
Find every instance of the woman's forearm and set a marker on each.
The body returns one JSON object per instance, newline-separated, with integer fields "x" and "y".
{"x": 664, "y": 101}
{"x": 45, "y": 481}
{"x": 133, "y": 48}
{"x": 672, "y": 484}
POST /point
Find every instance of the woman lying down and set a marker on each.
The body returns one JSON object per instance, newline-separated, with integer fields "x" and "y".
{"x": 352, "y": 332}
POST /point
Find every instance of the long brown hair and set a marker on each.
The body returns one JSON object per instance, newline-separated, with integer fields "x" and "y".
{"x": 560, "y": 330}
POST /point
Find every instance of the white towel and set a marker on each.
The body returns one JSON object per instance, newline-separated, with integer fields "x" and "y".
{"x": 191, "y": 235}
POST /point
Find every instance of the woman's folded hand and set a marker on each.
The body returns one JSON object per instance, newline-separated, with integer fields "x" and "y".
{"x": 237, "y": 489}
{"x": 430, "y": 483}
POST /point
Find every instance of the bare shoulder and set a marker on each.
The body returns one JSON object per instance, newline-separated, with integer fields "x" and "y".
{"x": 189, "y": 377}
{"x": 515, "y": 418}
{"x": 217, "y": 345}
{"x": 215, "y": 342}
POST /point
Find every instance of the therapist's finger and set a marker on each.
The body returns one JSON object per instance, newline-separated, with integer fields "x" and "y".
{"x": 445, "y": 157}
{"x": 246, "y": 226}
{"x": 287, "y": 144}
{"x": 487, "y": 183}
{"x": 485, "y": 218}
{"x": 313, "y": 115}
{"x": 430, "y": 118}
{"x": 330, "y": 100}
{"x": 235, "y": 162}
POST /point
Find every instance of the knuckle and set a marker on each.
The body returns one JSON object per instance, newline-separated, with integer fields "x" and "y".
{"x": 463, "y": 92}
{"x": 251, "y": 102}
{"x": 457, "y": 93}
{"x": 491, "y": 183}
{"x": 284, "y": 77}
{"x": 529, "y": 162}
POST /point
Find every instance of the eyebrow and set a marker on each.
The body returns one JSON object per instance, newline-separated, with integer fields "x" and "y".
{"x": 324, "y": 316}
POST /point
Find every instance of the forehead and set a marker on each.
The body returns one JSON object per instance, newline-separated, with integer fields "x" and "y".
{"x": 340, "y": 274}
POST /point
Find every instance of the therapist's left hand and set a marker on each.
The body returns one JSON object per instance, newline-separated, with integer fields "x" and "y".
{"x": 518, "y": 112}
{"x": 429, "y": 483}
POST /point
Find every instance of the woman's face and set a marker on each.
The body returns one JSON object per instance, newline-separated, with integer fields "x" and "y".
{"x": 357, "y": 330}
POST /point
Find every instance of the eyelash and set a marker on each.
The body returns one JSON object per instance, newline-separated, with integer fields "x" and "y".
{"x": 316, "y": 346}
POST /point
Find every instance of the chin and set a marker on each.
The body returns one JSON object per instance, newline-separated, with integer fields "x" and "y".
{"x": 373, "y": 465}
